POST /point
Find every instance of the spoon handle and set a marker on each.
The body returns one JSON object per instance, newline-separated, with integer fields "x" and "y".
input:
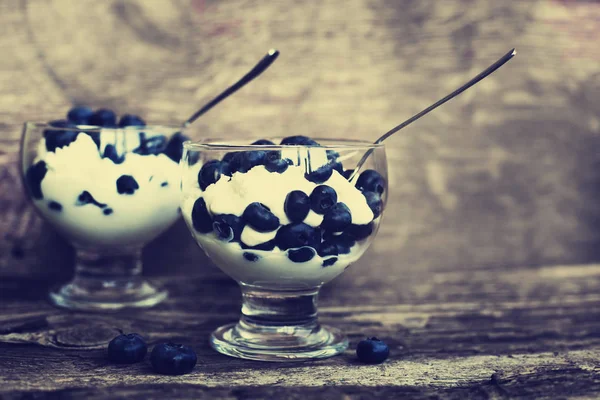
{"x": 435, "y": 105}
{"x": 254, "y": 72}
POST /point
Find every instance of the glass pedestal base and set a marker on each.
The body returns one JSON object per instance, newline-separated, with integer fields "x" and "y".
{"x": 279, "y": 346}
{"x": 278, "y": 325}
{"x": 107, "y": 283}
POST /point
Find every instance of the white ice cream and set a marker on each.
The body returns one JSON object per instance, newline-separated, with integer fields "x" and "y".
{"x": 274, "y": 268}
{"x": 134, "y": 219}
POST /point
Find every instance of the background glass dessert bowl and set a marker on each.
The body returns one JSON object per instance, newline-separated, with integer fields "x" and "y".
{"x": 108, "y": 190}
{"x": 282, "y": 220}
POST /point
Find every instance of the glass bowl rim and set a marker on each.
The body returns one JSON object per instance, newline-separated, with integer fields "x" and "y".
{"x": 96, "y": 128}
{"x": 223, "y": 145}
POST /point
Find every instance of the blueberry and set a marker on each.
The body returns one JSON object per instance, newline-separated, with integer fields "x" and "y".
{"x": 329, "y": 261}
{"x": 260, "y": 217}
{"x": 233, "y": 160}
{"x": 174, "y": 148}
{"x": 228, "y": 227}
{"x": 164, "y": 184}
{"x": 34, "y": 176}
{"x": 266, "y": 246}
{"x": 337, "y": 166}
{"x": 57, "y": 138}
{"x": 107, "y": 211}
{"x": 372, "y": 351}
{"x": 80, "y": 115}
{"x": 370, "y": 181}
{"x": 127, "y": 349}
{"x": 297, "y": 235}
{"x": 110, "y": 152}
{"x": 153, "y": 145}
{"x": 228, "y": 157}
{"x": 172, "y": 359}
{"x": 251, "y": 256}
{"x": 319, "y": 175}
{"x": 303, "y": 254}
{"x": 328, "y": 248}
{"x": 299, "y": 140}
{"x": 337, "y": 218}
{"x": 296, "y": 206}
{"x": 374, "y": 202}
{"x": 126, "y": 184}
{"x": 263, "y": 142}
{"x": 322, "y": 198}
{"x": 279, "y": 165}
{"x": 332, "y": 155}
{"x": 211, "y": 172}
{"x": 347, "y": 173}
{"x": 201, "y": 219}
{"x": 343, "y": 242}
{"x": 360, "y": 232}
{"x": 104, "y": 117}
{"x": 250, "y": 159}
{"x": 86, "y": 198}
{"x": 131, "y": 120}
{"x": 55, "y": 206}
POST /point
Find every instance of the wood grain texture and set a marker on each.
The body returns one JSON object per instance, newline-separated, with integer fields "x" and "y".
{"x": 476, "y": 278}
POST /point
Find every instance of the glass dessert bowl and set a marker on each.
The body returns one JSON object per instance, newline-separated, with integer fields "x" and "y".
{"x": 108, "y": 191}
{"x": 282, "y": 220}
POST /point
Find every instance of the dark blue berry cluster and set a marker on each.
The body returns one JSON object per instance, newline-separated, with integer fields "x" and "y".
{"x": 166, "y": 358}
{"x": 334, "y": 236}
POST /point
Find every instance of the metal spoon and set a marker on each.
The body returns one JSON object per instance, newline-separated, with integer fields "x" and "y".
{"x": 435, "y": 105}
{"x": 254, "y": 72}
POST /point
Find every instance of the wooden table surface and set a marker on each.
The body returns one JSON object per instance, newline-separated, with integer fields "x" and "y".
{"x": 485, "y": 276}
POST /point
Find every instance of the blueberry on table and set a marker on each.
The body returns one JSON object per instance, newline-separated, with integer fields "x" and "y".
{"x": 296, "y": 206}
{"x": 299, "y": 140}
{"x": 260, "y": 217}
{"x": 131, "y": 120}
{"x": 127, "y": 349}
{"x": 57, "y": 138}
{"x": 372, "y": 351}
{"x": 211, "y": 172}
{"x": 297, "y": 235}
{"x": 374, "y": 202}
{"x": 322, "y": 198}
{"x": 55, "y": 206}
{"x": 262, "y": 142}
{"x": 104, "y": 117}
{"x": 174, "y": 148}
{"x": 110, "y": 152}
{"x": 320, "y": 175}
{"x": 201, "y": 219}
{"x": 303, "y": 254}
{"x": 280, "y": 165}
{"x": 126, "y": 184}
{"x": 228, "y": 227}
{"x": 34, "y": 176}
{"x": 172, "y": 359}
{"x": 80, "y": 115}
{"x": 370, "y": 181}
{"x": 337, "y": 218}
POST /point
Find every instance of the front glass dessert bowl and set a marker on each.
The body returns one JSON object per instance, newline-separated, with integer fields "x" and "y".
{"x": 282, "y": 220}
{"x": 108, "y": 191}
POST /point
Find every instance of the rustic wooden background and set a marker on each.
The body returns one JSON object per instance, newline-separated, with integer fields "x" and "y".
{"x": 482, "y": 277}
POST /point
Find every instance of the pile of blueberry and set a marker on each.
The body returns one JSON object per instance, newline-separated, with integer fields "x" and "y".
{"x": 336, "y": 235}
{"x": 166, "y": 358}
{"x": 61, "y": 133}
